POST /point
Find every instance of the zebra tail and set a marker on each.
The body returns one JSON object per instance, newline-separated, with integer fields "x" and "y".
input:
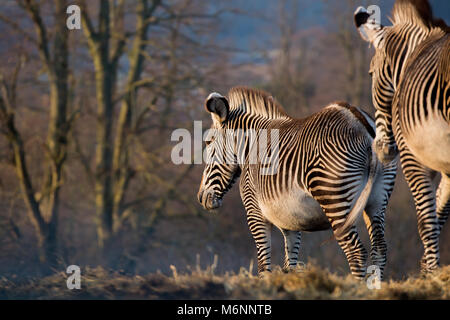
{"x": 361, "y": 201}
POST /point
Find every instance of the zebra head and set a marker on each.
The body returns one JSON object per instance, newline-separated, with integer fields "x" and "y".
{"x": 382, "y": 71}
{"x": 222, "y": 169}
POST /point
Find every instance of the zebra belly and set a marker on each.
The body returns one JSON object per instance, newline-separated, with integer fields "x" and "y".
{"x": 295, "y": 210}
{"x": 430, "y": 143}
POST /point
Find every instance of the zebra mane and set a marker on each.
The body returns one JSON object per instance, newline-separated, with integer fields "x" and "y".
{"x": 417, "y": 12}
{"x": 254, "y": 101}
{"x": 444, "y": 63}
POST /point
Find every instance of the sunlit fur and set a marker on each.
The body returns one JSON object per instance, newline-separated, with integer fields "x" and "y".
{"x": 327, "y": 175}
{"x": 411, "y": 92}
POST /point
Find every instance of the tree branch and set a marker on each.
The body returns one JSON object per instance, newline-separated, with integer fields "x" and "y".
{"x": 88, "y": 27}
{"x": 34, "y": 11}
{"x": 7, "y": 118}
{"x": 15, "y": 26}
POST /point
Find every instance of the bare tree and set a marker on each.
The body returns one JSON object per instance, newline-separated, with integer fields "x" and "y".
{"x": 108, "y": 43}
{"x": 357, "y": 86}
{"x": 43, "y": 205}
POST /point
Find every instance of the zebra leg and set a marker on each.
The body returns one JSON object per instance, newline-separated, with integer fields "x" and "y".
{"x": 375, "y": 226}
{"x": 442, "y": 210}
{"x": 420, "y": 184}
{"x": 291, "y": 248}
{"x": 349, "y": 241}
{"x": 261, "y": 232}
{"x": 374, "y": 214}
{"x": 354, "y": 251}
{"x": 443, "y": 200}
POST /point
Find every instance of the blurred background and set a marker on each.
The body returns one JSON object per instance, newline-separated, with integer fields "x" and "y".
{"x": 86, "y": 118}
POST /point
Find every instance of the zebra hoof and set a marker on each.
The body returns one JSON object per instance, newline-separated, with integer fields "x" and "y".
{"x": 290, "y": 269}
{"x": 287, "y": 270}
{"x": 264, "y": 274}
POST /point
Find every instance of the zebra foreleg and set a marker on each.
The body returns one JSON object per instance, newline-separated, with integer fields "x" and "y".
{"x": 292, "y": 241}
{"x": 420, "y": 184}
{"x": 261, "y": 232}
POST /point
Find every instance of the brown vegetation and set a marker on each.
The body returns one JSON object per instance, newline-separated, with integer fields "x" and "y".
{"x": 308, "y": 283}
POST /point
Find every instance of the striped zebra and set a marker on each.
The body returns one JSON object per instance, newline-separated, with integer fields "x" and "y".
{"x": 327, "y": 174}
{"x": 411, "y": 93}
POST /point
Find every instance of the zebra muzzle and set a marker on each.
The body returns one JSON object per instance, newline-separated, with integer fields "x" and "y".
{"x": 209, "y": 200}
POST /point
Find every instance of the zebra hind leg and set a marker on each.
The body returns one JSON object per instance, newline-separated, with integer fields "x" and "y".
{"x": 442, "y": 213}
{"x": 349, "y": 241}
{"x": 374, "y": 214}
{"x": 292, "y": 241}
{"x": 375, "y": 227}
{"x": 420, "y": 183}
{"x": 354, "y": 251}
{"x": 443, "y": 200}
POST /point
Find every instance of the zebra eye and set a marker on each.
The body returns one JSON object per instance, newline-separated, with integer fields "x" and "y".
{"x": 208, "y": 142}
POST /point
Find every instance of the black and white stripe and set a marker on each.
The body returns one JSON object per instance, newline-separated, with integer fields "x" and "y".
{"x": 327, "y": 175}
{"x": 411, "y": 93}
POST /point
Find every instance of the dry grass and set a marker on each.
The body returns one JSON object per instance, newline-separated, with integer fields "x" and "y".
{"x": 309, "y": 283}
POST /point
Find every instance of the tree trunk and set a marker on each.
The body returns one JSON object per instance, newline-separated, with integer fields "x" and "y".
{"x": 112, "y": 169}
{"x": 43, "y": 209}
{"x": 57, "y": 130}
{"x": 105, "y": 73}
{"x": 103, "y": 179}
{"x": 121, "y": 168}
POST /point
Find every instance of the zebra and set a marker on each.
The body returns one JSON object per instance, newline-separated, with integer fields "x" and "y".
{"x": 327, "y": 175}
{"x": 411, "y": 93}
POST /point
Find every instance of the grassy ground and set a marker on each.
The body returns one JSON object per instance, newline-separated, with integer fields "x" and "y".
{"x": 308, "y": 283}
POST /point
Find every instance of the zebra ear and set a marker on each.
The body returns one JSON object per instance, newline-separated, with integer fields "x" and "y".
{"x": 368, "y": 23}
{"x": 218, "y": 106}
